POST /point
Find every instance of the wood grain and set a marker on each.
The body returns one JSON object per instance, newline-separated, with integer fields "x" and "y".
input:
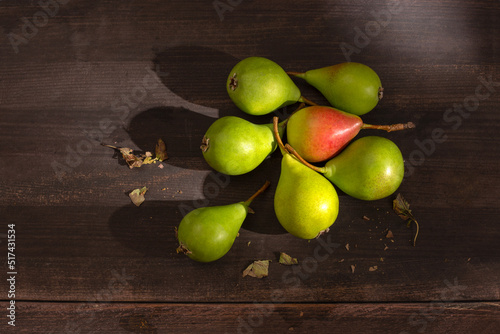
{"x": 262, "y": 318}
{"x": 127, "y": 73}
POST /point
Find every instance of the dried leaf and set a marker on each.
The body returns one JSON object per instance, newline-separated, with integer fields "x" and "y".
{"x": 287, "y": 259}
{"x": 389, "y": 234}
{"x": 131, "y": 159}
{"x": 366, "y": 218}
{"x": 347, "y": 246}
{"x": 402, "y": 209}
{"x": 258, "y": 269}
{"x": 137, "y": 195}
{"x": 373, "y": 268}
{"x": 148, "y": 160}
{"x": 161, "y": 150}
{"x": 353, "y": 267}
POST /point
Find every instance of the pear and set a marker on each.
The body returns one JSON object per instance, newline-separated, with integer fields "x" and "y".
{"x": 318, "y": 133}
{"x": 206, "y": 234}
{"x": 351, "y": 87}
{"x": 370, "y": 168}
{"x": 259, "y": 86}
{"x": 235, "y": 146}
{"x": 306, "y": 204}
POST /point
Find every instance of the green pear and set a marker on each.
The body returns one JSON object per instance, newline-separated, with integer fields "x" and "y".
{"x": 259, "y": 86}
{"x": 370, "y": 168}
{"x": 306, "y": 204}
{"x": 206, "y": 234}
{"x": 235, "y": 146}
{"x": 351, "y": 87}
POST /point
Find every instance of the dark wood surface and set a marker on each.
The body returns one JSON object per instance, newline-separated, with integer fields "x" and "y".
{"x": 128, "y": 72}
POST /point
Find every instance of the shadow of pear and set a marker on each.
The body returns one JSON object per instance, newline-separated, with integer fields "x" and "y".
{"x": 196, "y": 73}
{"x": 150, "y": 228}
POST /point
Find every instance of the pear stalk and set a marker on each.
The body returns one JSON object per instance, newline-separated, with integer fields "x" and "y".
{"x": 297, "y": 155}
{"x": 390, "y": 128}
{"x": 276, "y": 134}
{"x": 260, "y": 191}
{"x": 307, "y": 101}
{"x": 295, "y": 74}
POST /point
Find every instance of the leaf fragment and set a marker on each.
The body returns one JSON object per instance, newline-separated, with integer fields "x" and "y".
{"x": 161, "y": 150}
{"x": 258, "y": 269}
{"x": 353, "y": 267}
{"x": 134, "y": 160}
{"x": 137, "y": 195}
{"x": 402, "y": 209}
{"x": 287, "y": 260}
{"x": 373, "y": 268}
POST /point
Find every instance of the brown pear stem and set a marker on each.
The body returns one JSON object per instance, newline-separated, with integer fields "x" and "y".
{"x": 307, "y": 101}
{"x": 277, "y": 134}
{"x": 297, "y": 155}
{"x": 294, "y": 73}
{"x": 260, "y": 191}
{"x": 389, "y": 128}
{"x": 416, "y": 234}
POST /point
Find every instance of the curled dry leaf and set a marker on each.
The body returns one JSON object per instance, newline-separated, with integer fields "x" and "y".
{"x": 161, "y": 150}
{"x": 134, "y": 160}
{"x": 287, "y": 259}
{"x": 373, "y": 268}
{"x": 137, "y": 195}
{"x": 258, "y": 269}
{"x": 389, "y": 234}
{"x": 402, "y": 209}
{"x": 353, "y": 267}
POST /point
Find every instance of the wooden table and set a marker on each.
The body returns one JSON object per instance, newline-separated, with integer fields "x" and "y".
{"x": 74, "y": 74}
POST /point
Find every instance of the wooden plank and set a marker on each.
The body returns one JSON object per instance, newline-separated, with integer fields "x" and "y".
{"x": 431, "y": 317}
{"x": 128, "y": 73}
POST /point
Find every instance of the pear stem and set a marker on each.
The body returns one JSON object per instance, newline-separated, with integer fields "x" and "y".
{"x": 389, "y": 128}
{"x": 297, "y": 155}
{"x": 295, "y": 74}
{"x": 416, "y": 234}
{"x": 307, "y": 101}
{"x": 260, "y": 191}
{"x": 277, "y": 134}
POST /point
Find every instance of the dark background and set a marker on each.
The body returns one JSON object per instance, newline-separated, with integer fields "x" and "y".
{"x": 128, "y": 72}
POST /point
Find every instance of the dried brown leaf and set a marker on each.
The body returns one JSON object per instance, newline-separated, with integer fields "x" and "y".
{"x": 373, "y": 268}
{"x": 137, "y": 195}
{"x": 287, "y": 259}
{"x": 161, "y": 150}
{"x": 402, "y": 209}
{"x": 258, "y": 269}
